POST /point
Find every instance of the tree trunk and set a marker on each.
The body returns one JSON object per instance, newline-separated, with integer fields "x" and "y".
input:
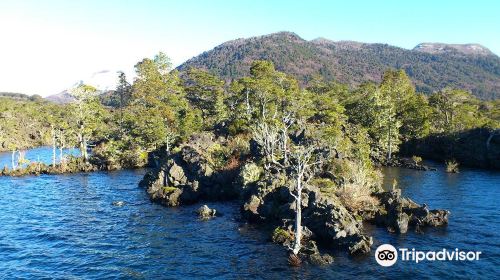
{"x": 53, "y": 147}
{"x": 83, "y": 143}
{"x": 389, "y": 153}
{"x": 61, "y": 155}
{"x": 248, "y": 104}
{"x": 285, "y": 153}
{"x": 62, "y": 144}
{"x": 13, "y": 157}
{"x": 298, "y": 217}
{"x": 84, "y": 149}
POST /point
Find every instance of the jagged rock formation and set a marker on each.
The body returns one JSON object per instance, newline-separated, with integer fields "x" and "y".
{"x": 398, "y": 213}
{"x": 188, "y": 176}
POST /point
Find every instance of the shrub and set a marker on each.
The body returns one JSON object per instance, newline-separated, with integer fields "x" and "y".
{"x": 217, "y": 156}
{"x": 356, "y": 192}
{"x": 168, "y": 190}
{"x": 395, "y": 184}
{"x": 232, "y": 163}
{"x": 250, "y": 173}
{"x": 238, "y": 126}
{"x": 239, "y": 144}
{"x": 416, "y": 159}
{"x": 324, "y": 184}
{"x": 281, "y": 235}
{"x": 452, "y": 166}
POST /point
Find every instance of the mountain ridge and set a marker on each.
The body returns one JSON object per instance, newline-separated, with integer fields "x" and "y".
{"x": 432, "y": 66}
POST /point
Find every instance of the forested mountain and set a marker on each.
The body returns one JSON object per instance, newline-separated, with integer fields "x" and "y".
{"x": 431, "y": 66}
{"x": 19, "y": 96}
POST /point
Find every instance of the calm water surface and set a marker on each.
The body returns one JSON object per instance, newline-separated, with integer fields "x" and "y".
{"x": 42, "y": 154}
{"x": 66, "y": 227}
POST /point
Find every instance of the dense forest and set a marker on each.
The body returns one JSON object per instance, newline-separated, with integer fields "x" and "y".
{"x": 354, "y": 63}
{"x": 163, "y": 108}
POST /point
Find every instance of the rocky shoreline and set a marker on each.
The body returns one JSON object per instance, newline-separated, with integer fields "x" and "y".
{"x": 74, "y": 165}
{"x": 408, "y": 163}
{"x": 187, "y": 177}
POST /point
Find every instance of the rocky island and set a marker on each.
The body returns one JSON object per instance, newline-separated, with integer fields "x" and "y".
{"x": 189, "y": 175}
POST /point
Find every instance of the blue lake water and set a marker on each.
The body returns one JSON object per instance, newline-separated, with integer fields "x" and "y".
{"x": 41, "y": 154}
{"x": 66, "y": 227}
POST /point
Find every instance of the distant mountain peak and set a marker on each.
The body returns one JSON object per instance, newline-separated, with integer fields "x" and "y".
{"x": 103, "y": 81}
{"x": 428, "y": 65}
{"x": 339, "y": 44}
{"x": 439, "y": 48}
{"x": 281, "y": 34}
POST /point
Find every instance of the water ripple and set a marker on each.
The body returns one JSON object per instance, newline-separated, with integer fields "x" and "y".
{"x": 66, "y": 227}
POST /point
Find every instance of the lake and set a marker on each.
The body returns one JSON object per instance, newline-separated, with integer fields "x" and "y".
{"x": 41, "y": 154}
{"x": 66, "y": 226}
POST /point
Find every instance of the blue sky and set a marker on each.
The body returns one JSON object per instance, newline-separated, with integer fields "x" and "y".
{"x": 48, "y": 45}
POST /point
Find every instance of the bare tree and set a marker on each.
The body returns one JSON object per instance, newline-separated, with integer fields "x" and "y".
{"x": 303, "y": 161}
{"x": 267, "y": 136}
{"x": 286, "y": 122}
{"x": 53, "y": 133}
{"x": 62, "y": 144}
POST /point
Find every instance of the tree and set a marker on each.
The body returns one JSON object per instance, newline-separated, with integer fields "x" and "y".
{"x": 124, "y": 91}
{"x": 455, "y": 110}
{"x": 328, "y": 117}
{"x": 387, "y": 124}
{"x": 303, "y": 161}
{"x": 391, "y": 111}
{"x": 88, "y": 113}
{"x": 159, "y": 112}
{"x": 206, "y": 92}
{"x": 396, "y": 91}
{"x": 268, "y": 138}
{"x": 264, "y": 95}
{"x": 13, "y": 147}
{"x": 415, "y": 116}
{"x": 375, "y": 110}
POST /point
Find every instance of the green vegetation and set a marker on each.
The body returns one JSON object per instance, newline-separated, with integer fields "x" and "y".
{"x": 281, "y": 235}
{"x": 25, "y": 124}
{"x": 353, "y": 63}
{"x": 20, "y": 96}
{"x": 354, "y": 127}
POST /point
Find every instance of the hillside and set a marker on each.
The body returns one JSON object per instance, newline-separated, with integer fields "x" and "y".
{"x": 19, "y": 96}
{"x": 60, "y": 98}
{"x": 432, "y": 66}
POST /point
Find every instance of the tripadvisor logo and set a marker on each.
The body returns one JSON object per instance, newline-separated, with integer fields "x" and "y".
{"x": 387, "y": 255}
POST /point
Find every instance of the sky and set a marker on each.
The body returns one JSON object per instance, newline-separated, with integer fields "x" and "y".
{"x": 47, "y": 46}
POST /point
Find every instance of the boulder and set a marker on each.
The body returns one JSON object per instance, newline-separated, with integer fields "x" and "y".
{"x": 205, "y": 213}
{"x": 320, "y": 259}
{"x": 118, "y": 203}
{"x": 398, "y": 213}
{"x": 332, "y": 223}
{"x": 187, "y": 176}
